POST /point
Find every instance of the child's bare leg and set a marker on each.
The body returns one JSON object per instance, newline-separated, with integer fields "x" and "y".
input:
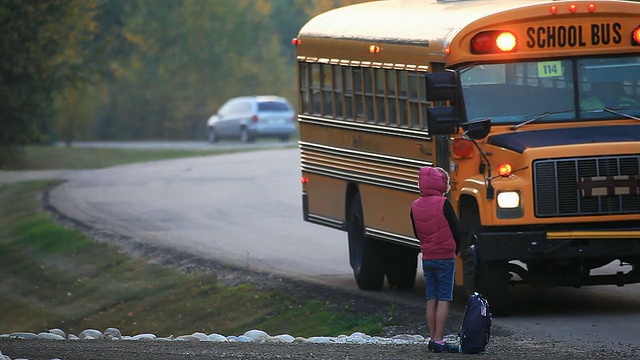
{"x": 432, "y": 306}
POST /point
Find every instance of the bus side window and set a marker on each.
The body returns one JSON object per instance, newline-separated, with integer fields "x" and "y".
{"x": 347, "y": 81}
{"x": 316, "y": 77}
{"x": 358, "y": 93}
{"x": 338, "y": 91}
{"x": 327, "y": 90}
{"x": 414, "y": 99}
{"x": 392, "y": 116}
{"x": 368, "y": 94}
{"x": 304, "y": 87}
{"x": 380, "y": 96}
{"x": 403, "y": 98}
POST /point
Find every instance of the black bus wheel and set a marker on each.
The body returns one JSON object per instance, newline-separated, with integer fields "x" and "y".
{"x": 469, "y": 227}
{"x": 364, "y": 252}
{"x": 493, "y": 281}
{"x": 401, "y": 266}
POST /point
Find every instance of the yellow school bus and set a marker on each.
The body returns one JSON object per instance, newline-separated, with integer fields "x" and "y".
{"x": 532, "y": 106}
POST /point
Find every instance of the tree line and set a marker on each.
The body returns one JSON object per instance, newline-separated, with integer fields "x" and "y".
{"x": 139, "y": 69}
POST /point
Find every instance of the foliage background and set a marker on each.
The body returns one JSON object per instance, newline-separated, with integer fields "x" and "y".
{"x": 139, "y": 69}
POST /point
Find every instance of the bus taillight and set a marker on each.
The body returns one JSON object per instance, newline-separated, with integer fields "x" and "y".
{"x": 635, "y": 36}
{"x": 296, "y": 41}
{"x": 488, "y": 42}
{"x": 304, "y": 180}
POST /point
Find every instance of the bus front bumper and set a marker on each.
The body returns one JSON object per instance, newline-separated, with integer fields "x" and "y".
{"x": 526, "y": 245}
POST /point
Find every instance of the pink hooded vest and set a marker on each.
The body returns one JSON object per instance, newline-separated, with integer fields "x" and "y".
{"x": 432, "y": 228}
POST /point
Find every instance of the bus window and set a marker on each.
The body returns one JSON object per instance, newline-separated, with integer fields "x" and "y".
{"x": 414, "y": 99}
{"x": 368, "y": 94}
{"x": 403, "y": 92}
{"x": 512, "y": 93}
{"x": 392, "y": 116}
{"x": 358, "y": 93}
{"x": 316, "y": 76}
{"x": 609, "y": 83}
{"x": 304, "y": 87}
{"x": 327, "y": 89}
{"x": 347, "y": 81}
{"x": 338, "y": 91}
{"x": 380, "y": 96}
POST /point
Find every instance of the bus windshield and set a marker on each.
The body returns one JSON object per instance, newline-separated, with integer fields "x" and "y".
{"x": 568, "y": 90}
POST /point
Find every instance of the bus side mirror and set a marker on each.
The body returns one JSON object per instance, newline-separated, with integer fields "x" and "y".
{"x": 443, "y": 86}
{"x": 477, "y": 130}
{"x": 442, "y": 120}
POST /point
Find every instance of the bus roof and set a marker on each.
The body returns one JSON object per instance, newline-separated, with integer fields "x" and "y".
{"x": 428, "y": 25}
{"x": 406, "y": 21}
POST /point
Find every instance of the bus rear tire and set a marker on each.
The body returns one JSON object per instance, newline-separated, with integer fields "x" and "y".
{"x": 364, "y": 252}
{"x": 401, "y": 266}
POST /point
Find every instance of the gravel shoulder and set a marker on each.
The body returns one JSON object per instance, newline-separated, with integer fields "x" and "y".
{"x": 506, "y": 343}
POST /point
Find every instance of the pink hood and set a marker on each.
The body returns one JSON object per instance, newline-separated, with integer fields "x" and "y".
{"x": 432, "y": 182}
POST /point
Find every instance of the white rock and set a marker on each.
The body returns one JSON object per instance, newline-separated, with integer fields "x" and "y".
{"x": 144, "y": 337}
{"x": 356, "y": 340}
{"x": 188, "y": 338}
{"x": 95, "y": 334}
{"x": 300, "y": 339}
{"x": 112, "y": 334}
{"x": 58, "y": 332}
{"x": 285, "y": 338}
{"x": 72, "y": 337}
{"x": 49, "y": 336}
{"x": 256, "y": 335}
{"x": 201, "y": 336}
{"x": 23, "y": 335}
{"x": 232, "y": 338}
{"x": 217, "y": 338}
{"x": 244, "y": 339}
{"x": 169, "y": 338}
{"x": 319, "y": 340}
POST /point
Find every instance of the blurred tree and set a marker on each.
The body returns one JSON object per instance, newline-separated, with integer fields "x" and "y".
{"x": 139, "y": 69}
{"x": 30, "y": 69}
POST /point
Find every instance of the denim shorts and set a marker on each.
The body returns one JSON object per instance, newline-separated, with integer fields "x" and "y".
{"x": 439, "y": 278}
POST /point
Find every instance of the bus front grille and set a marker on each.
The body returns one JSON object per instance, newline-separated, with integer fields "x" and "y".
{"x": 607, "y": 185}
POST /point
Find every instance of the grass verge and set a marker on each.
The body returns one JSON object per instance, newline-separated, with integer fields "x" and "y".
{"x": 56, "y": 277}
{"x": 74, "y": 158}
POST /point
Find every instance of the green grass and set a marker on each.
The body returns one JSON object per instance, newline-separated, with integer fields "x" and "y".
{"x": 74, "y": 158}
{"x": 56, "y": 277}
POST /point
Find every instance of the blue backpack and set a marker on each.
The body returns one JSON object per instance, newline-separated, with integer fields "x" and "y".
{"x": 476, "y": 326}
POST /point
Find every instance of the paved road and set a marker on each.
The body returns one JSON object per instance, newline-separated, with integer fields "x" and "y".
{"x": 245, "y": 208}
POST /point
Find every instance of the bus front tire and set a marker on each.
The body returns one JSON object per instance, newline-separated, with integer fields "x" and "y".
{"x": 364, "y": 252}
{"x": 490, "y": 278}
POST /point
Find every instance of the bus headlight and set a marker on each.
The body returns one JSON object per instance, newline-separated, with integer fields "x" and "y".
{"x": 508, "y": 200}
{"x": 509, "y": 205}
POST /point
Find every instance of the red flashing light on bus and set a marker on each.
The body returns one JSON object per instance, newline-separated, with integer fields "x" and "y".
{"x": 636, "y": 36}
{"x": 505, "y": 169}
{"x": 573, "y": 8}
{"x": 296, "y": 41}
{"x": 591, "y": 7}
{"x": 553, "y": 9}
{"x": 463, "y": 148}
{"x": 488, "y": 42}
